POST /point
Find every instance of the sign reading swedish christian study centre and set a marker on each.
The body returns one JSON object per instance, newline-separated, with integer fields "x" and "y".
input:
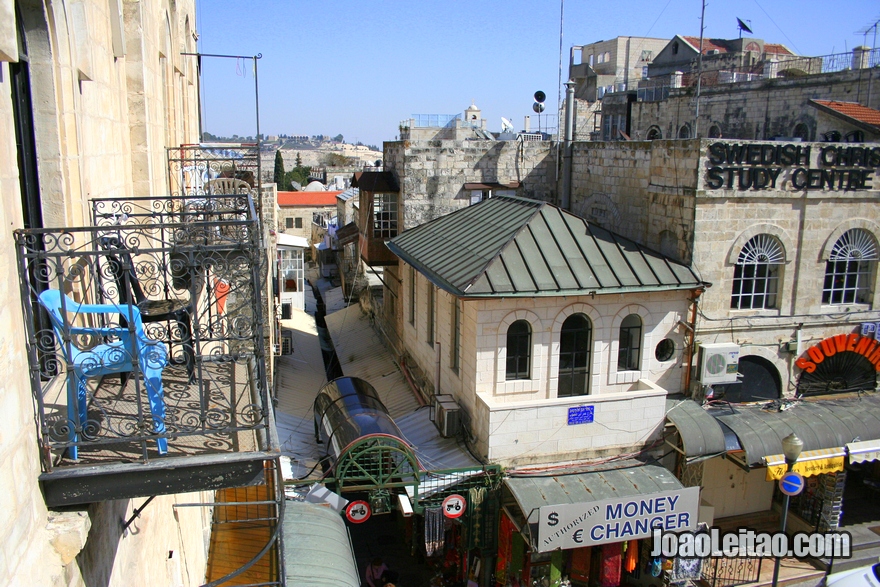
{"x": 573, "y": 525}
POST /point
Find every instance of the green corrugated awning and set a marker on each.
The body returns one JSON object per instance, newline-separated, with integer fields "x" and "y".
{"x": 629, "y": 479}
{"x": 317, "y": 548}
{"x": 701, "y": 435}
{"x": 820, "y": 424}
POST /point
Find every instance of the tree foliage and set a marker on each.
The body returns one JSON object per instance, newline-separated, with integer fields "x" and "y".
{"x": 278, "y": 177}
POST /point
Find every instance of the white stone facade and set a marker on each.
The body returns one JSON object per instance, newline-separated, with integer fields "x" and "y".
{"x": 523, "y": 421}
{"x": 109, "y": 91}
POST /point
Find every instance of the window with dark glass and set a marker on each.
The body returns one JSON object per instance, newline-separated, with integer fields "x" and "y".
{"x": 574, "y": 356}
{"x": 519, "y": 350}
{"x": 849, "y": 271}
{"x": 630, "y": 344}
{"x": 288, "y": 222}
{"x": 756, "y": 274}
{"x": 299, "y": 222}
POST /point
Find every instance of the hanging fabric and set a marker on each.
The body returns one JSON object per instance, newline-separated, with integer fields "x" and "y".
{"x": 609, "y": 572}
{"x": 474, "y": 516}
{"x": 505, "y": 540}
{"x": 434, "y": 530}
{"x": 686, "y": 569}
{"x": 632, "y": 556}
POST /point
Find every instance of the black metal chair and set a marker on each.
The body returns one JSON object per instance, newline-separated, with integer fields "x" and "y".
{"x": 123, "y": 271}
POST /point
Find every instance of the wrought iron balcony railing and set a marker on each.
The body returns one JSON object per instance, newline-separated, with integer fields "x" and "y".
{"x": 186, "y": 269}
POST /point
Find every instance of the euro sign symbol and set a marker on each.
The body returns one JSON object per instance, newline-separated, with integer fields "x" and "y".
{"x": 577, "y": 536}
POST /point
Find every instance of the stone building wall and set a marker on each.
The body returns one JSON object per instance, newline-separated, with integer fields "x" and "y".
{"x": 432, "y": 174}
{"x": 658, "y": 194}
{"x": 759, "y": 110}
{"x": 102, "y": 117}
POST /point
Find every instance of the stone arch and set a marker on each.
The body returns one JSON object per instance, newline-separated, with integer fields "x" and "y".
{"x": 684, "y": 131}
{"x": 771, "y": 357}
{"x": 714, "y": 131}
{"x": 804, "y": 127}
{"x": 596, "y": 321}
{"x": 748, "y": 234}
{"x": 867, "y": 225}
{"x": 539, "y": 342}
{"x": 654, "y": 133}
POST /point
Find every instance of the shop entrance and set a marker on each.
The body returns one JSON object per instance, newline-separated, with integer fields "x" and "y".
{"x": 861, "y": 495}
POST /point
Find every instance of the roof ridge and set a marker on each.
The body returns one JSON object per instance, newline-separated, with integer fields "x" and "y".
{"x": 538, "y": 204}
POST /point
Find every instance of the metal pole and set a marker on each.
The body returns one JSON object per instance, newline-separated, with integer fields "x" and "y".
{"x": 700, "y": 71}
{"x": 784, "y": 520}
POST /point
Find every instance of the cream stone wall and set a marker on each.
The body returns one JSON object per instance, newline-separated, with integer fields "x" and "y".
{"x": 657, "y": 194}
{"x": 102, "y": 119}
{"x": 733, "y": 491}
{"x": 524, "y": 421}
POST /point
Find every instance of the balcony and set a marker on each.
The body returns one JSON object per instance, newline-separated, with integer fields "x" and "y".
{"x": 158, "y": 385}
{"x": 379, "y": 208}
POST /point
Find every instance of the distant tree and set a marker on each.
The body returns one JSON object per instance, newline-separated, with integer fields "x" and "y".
{"x": 337, "y": 160}
{"x": 299, "y": 160}
{"x": 338, "y": 138}
{"x": 278, "y": 176}
{"x": 299, "y": 174}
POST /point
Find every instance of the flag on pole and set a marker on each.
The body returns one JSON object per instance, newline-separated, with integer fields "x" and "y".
{"x": 743, "y": 26}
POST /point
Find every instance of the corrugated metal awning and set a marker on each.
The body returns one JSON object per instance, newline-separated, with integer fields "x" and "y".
{"x": 821, "y": 424}
{"x": 701, "y": 435}
{"x": 317, "y": 548}
{"x": 532, "y": 493}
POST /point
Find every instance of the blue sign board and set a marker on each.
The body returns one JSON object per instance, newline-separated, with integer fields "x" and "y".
{"x": 580, "y": 415}
{"x": 791, "y": 483}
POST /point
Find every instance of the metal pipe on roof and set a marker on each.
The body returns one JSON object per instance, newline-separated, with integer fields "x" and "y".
{"x": 567, "y": 145}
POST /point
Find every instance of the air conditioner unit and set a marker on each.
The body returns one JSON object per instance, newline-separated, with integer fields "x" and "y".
{"x": 287, "y": 343}
{"x": 718, "y": 363}
{"x": 447, "y": 415}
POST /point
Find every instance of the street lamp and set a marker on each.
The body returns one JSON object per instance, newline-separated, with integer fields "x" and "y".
{"x": 791, "y": 448}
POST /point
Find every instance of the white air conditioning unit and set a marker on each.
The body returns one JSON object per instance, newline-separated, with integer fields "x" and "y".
{"x": 719, "y": 363}
{"x": 447, "y": 415}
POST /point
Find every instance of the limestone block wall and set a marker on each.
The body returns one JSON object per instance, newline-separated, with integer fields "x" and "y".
{"x": 755, "y": 110}
{"x": 305, "y": 216}
{"x": 643, "y": 190}
{"x": 494, "y": 405}
{"x": 432, "y": 174}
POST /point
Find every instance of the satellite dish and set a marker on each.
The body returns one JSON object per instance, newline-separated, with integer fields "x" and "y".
{"x": 538, "y": 107}
{"x": 540, "y": 97}
{"x": 506, "y": 125}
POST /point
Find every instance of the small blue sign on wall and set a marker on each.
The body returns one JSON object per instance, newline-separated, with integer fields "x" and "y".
{"x": 580, "y": 415}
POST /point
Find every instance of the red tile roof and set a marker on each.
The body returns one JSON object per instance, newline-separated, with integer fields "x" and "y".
{"x": 708, "y": 44}
{"x": 312, "y": 199}
{"x": 777, "y": 49}
{"x": 852, "y": 110}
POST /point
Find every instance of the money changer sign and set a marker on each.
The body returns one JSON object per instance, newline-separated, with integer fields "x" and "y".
{"x": 573, "y": 525}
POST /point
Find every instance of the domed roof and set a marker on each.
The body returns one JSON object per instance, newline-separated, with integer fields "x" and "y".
{"x": 315, "y": 186}
{"x": 472, "y": 108}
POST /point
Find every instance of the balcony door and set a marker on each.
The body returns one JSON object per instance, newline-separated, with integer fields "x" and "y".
{"x": 574, "y": 356}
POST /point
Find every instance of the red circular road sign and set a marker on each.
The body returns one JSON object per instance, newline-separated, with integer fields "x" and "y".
{"x": 358, "y": 512}
{"x": 454, "y": 506}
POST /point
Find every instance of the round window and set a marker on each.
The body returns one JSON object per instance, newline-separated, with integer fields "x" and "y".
{"x": 665, "y": 349}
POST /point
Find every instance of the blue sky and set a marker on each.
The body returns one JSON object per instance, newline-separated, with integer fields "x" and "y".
{"x": 359, "y": 68}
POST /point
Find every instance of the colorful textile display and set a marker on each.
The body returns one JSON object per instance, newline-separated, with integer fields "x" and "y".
{"x": 505, "y": 538}
{"x": 632, "y": 556}
{"x": 686, "y": 569}
{"x": 609, "y": 572}
{"x": 434, "y": 530}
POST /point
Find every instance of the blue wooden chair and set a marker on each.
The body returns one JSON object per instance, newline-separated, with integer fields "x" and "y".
{"x": 117, "y": 352}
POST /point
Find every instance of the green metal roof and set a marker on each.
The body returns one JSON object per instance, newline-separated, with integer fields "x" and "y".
{"x": 317, "y": 549}
{"x": 510, "y": 246}
{"x": 701, "y": 435}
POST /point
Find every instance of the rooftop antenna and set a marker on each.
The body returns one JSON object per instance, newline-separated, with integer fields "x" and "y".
{"x": 864, "y": 33}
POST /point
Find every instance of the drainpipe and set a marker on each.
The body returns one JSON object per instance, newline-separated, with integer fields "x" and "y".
{"x": 692, "y": 327}
{"x": 567, "y": 145}
{"x": 437, "y": 354}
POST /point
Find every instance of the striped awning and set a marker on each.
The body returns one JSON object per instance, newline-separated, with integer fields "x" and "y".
{"x": 809, "y": 463}
{"x": 864, "y": 451}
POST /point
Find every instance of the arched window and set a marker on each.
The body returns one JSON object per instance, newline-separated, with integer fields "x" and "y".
{"x": 519, "y": 350}
{"x": 654, "y": 133}
{"x": 714, "y": 132}
{"x": 684, "y": 132}
{"x": 629, "y": 349}
{"x": 756, "y": 274}
{"x": 574, "y": 356}
{"x": 607, "y": 56}
{"x": 801, "y": 131}
{"x": 850, "y": 269}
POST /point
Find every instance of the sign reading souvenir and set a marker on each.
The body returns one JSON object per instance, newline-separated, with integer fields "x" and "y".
{"x": 791, "y": 483}
{"x": 358, "y": 511}
{"x": 867, "y": 346}
{"x": 453, "y": 506}
{"x": 575, "y": 525}
{"x": 757, "y": 166}
{"x": 580, "y": 415}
